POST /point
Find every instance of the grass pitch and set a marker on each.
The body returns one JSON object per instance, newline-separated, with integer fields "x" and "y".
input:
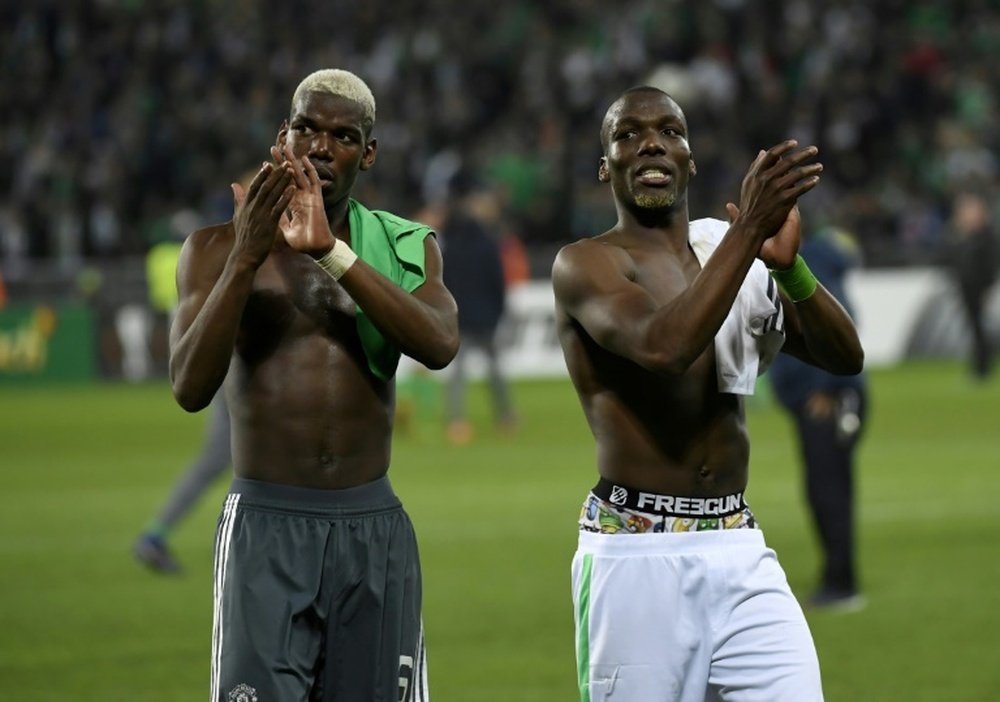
{"x": 85, "y": 467}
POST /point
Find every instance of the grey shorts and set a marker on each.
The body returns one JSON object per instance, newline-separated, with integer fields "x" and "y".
{"x": 317, "y": 596}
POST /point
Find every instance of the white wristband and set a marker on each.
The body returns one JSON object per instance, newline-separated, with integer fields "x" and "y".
{"x": 337, "y": 260}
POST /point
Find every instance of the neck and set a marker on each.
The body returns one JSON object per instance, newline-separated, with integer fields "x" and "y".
{"x": 669, "y": 221}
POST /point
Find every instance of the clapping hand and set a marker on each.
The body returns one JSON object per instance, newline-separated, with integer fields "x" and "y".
{"x": 778, "y": 252}
{"x": 771, "y": 188}
{"x": 304, "y": 225}
{"x": 258, "y": 209}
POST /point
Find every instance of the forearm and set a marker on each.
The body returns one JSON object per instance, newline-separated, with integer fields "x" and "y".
{"x": 203, "y": 339}
{"x": 427, "y": 331}
{"x": 828, "y": 334}
{"x": 684, "y": 328}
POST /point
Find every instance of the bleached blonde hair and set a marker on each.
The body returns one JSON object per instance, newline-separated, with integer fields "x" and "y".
{"x": 337, "y": 81}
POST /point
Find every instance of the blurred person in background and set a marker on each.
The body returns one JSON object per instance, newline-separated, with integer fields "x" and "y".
{"x": 418, "y": 389}
{"x": 973, "y": 257}
{"x": 299, "y": 308}
{"x": 830, "y": 413}
{"x": 665, "y": 325}
{"x": 152, "y": 548}
{"x": 474, "y": 273}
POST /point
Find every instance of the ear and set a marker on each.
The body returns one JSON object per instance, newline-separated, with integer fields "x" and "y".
{"x": 368, "y": 158}
{"x": 692, "y": 168}
{"x": 602, "y": 171}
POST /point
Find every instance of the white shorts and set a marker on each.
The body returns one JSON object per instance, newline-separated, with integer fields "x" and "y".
{"x": 689, "y": 617}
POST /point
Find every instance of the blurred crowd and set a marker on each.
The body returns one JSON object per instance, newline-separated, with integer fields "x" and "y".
{"x": 125, "y": 121}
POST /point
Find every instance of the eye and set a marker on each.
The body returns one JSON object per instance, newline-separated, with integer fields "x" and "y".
{"x": 671, "y": 131}
{"x": 624, "y": 134}
{"x": 302, "y": 129}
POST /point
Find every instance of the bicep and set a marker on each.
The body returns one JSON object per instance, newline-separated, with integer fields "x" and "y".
{"x": 611, "y": 308}
{"x": 432, "y": 292}
{"x": 197, "y": 274}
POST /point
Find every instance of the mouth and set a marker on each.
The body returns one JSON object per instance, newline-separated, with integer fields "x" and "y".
{"x": 653, "y": 176}
{"x": 325, "y": 175}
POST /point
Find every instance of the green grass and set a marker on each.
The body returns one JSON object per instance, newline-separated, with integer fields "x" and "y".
{"x": 83, "y": 468}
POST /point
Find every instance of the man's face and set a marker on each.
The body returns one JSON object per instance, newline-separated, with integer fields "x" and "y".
{"x": 647, "y": 159}
{"x": 330, "y": 131}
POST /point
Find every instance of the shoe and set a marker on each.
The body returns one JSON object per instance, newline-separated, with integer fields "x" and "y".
{"x": 837, "y": 600}
{"x": 152, "y": 552}
{"x": 459, "y": 432}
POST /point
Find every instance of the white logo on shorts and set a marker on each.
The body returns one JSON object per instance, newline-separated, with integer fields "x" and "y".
{"x": 243, "y": 693}
{"x": 618, "y": 495}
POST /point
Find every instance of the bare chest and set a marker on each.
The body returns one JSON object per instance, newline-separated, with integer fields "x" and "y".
{"x": 293, "y": 298}
{"x": 664, "y": 276}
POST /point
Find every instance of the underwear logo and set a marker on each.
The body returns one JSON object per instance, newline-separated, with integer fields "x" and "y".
{"x": 243, "y": 693}
{"x": 619, "y": 495}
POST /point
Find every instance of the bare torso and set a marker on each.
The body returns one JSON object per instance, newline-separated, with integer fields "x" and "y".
{"x": 637, "y": 314}
{"x": 670, "y": 434}
{"x": 305, "y": 409}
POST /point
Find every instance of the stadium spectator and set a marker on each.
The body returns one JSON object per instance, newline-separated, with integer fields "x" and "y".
{"x": 830, "y": 413}
{"x": 114, "y": 118}
{"x": 301, "y": 306}
{"x": 665, "y": 325}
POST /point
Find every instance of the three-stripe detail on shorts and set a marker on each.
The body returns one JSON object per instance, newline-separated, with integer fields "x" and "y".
{"x": 222, "y": 542}
{"x": 583, "y": 628}
{"x": 420, "y": 691}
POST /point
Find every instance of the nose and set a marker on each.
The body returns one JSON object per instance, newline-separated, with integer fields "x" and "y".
{"x": 319, "y": 146}
{"x": 651, "y": 143}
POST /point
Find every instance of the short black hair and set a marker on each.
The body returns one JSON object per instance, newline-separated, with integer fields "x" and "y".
{"x": 631, "y": 91}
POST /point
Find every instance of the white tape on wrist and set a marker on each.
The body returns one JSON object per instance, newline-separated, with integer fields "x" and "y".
{"x": 337, "y": 260}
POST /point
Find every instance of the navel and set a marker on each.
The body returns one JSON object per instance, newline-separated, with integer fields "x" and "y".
{"x": 706, "y": 477}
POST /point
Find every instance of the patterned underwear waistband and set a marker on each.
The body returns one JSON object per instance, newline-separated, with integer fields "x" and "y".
{"x": 668, "y": 505}
{"x": 601, "y": 516}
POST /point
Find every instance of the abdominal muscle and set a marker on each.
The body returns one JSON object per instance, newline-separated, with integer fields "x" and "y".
{"x": 659, "y": 449}
{"x": 310, "y": 415}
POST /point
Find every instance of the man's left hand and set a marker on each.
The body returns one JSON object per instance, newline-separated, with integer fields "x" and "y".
{"x": 304, "y": 225}
{"x": 778, "y": 252}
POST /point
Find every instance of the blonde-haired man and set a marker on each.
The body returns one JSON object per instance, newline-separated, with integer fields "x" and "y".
{"x": 299, "y": 308}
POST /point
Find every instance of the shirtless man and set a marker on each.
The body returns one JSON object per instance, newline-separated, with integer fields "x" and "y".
{"x": 664, "y": 324}
{"x": 302, "y": 305}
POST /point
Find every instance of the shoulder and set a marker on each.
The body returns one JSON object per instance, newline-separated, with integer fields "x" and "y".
{"x": 393, "y": 218}
{"x": 208, "y": 244}
{"x": 211, "y": 236}
{"x": 586, "y": 252}
{"x": 585, "y": 263}
{"x": 396, "y": 224}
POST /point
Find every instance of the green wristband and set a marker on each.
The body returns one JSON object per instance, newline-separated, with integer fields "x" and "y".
{"x": 798, "y": 282}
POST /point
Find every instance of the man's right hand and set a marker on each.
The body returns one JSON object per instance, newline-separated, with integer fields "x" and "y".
{"x": 258, "y": 211}
{"x": 775, "y": 181}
